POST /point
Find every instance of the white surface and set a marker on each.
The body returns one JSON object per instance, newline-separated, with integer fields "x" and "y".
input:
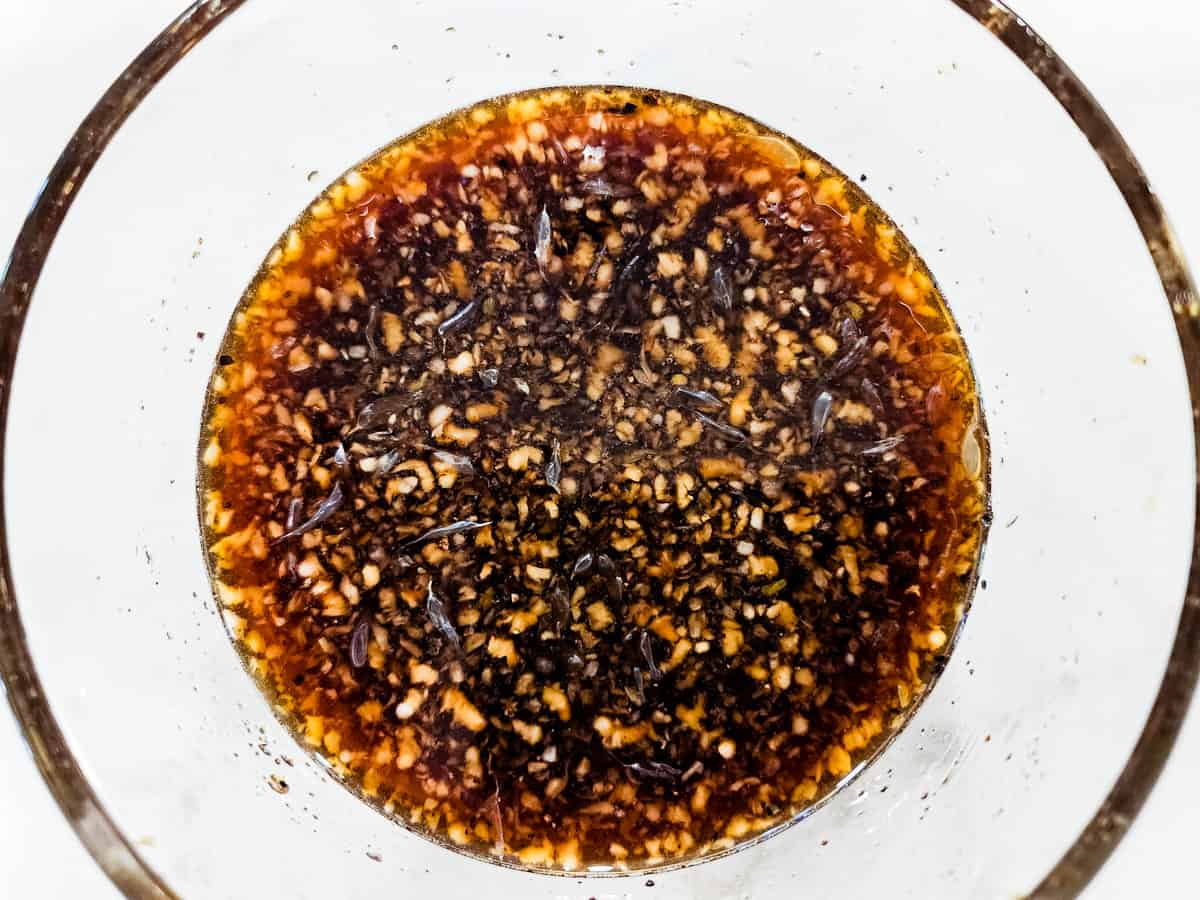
{"x": 38, "y": 855}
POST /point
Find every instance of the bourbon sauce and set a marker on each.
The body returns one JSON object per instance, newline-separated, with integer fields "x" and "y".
{"x": 593, "y": 477}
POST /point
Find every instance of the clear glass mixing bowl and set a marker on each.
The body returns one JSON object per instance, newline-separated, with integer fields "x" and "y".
{"x": 1064, "y": 694}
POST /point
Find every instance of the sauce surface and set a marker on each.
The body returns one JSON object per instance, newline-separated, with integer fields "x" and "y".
{"x": 593, "y": 477}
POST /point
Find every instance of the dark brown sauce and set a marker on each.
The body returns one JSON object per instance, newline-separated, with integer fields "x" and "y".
{"x": 596, "y": 478}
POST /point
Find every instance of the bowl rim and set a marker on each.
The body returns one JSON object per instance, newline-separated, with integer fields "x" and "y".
{"x": 115, "y": 853}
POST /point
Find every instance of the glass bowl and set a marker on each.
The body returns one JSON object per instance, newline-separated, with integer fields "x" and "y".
{"x": 1056, "y": 710}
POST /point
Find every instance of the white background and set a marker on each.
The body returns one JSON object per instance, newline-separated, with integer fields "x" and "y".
{"x": 1142, "y": 61}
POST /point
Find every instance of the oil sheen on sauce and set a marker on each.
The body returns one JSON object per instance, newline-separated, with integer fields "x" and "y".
{"x": 593, "y": 477}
